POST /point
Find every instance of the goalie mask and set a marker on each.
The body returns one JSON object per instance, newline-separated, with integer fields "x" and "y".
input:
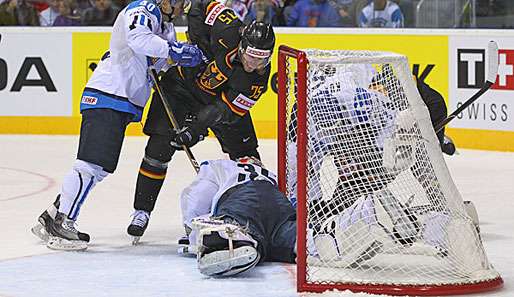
{"x": 256, "y": 46}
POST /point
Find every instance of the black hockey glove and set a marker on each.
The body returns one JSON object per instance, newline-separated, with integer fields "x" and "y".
{"x": 187, "y": 136}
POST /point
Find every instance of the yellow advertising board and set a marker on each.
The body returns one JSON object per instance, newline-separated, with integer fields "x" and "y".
{"x": 428, "y": 52}
{"x": 429, "y": 55}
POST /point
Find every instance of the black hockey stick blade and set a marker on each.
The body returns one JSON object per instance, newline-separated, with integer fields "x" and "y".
{"x": 492, "y": 72}
{"x": 169, "y": 112}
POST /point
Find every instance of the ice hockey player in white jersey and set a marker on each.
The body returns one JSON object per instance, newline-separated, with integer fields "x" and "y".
{"x": 115, "y": 95}
{"x": 238, "y": 217}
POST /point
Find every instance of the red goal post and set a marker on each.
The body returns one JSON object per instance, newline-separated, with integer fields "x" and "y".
{"x": 293, "y": 96}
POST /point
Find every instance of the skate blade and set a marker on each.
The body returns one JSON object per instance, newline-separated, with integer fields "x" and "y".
{"x": 187, "y": 251}
{"x": 61, "y": 244}
{"x": 39, "y": 231}
{"x": 221, "y": 263}
{"x": 135, "y": 240}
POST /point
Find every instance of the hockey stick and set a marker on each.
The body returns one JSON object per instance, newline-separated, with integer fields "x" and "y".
{"x": 174, "y": 123}
{"x": 492, "y": 72}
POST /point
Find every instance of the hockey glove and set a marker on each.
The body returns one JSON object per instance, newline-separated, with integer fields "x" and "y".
{"x": 187, "y": 136}
{"x": 184, "y": 54}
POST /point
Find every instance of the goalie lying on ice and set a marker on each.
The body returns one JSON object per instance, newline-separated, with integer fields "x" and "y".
{"x": 238, "y": 218}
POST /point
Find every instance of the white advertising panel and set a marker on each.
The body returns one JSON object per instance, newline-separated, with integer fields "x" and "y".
{"x": 468, "y": 64}
{"x": 35, "y": 73}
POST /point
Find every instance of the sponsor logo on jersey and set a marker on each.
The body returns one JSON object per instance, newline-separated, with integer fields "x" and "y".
{"x": 213, "y": 14}
{"x": 243, "y": 102}
{"x": 471, "y": 69}
{"x": 89, "y": 100}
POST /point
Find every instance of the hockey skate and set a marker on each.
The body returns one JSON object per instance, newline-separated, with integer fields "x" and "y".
{"x": 64, "y": 236}
{"x": 45, "y": 219}
{"x": 137, "y": 227}
{"x": 224, "y": 249}
{"x": 185, "y": 246}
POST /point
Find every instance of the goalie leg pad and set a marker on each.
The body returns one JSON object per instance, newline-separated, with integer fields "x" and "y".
{"x": 223, "y": 249}
{"x": 395, "y": 217}
{"x": 350, "y": 238}
{"x": 228, "y": 263}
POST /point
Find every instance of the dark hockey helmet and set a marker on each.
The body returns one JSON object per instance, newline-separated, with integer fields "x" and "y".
{"x": 257, "y": 43}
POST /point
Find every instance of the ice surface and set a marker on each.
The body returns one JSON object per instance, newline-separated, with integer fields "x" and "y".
{"x": 32, "y": 167}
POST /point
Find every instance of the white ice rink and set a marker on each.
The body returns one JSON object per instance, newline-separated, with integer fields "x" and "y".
{"x": 32, "y": 167}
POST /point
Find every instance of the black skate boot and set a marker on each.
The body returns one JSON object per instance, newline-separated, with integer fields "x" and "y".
{"x": 64, "y": 236}
{"x": 219, "y": 256}
{"x": 137, "y": 227}
{"x": 45, "y": 219}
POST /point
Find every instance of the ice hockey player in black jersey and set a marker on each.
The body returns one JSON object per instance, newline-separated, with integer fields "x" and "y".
{"x": 216, "y": 95}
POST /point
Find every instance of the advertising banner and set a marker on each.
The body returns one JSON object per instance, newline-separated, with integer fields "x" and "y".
{"x": 494, "y": 110}
{"x": 43, "y": 72}
{"x": 427, "y": 56}
{"x": 35, "y": 73}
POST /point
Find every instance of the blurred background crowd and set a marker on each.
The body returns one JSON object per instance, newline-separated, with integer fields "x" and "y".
{"x": 292, "y": 13}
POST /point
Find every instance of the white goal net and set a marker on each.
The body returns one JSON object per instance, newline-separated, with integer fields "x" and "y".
{"x": 378, "y": 210}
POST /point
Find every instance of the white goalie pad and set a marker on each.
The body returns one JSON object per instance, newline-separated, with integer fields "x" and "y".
{"x": 352, "y": 237}
{"x": 224, "y": 260}
{"x": 228, "y": 263}
{"x": 206, "y": 225}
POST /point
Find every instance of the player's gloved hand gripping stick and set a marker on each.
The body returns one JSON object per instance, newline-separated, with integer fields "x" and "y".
{"x": 492, "y": 72}
{"x": 171, "y": 116}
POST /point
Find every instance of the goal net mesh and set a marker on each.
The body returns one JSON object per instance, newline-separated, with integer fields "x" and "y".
{"x": 380, "y": 205}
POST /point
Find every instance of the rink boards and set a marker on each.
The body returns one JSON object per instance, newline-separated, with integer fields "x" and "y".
{"x": 43, "y": 71}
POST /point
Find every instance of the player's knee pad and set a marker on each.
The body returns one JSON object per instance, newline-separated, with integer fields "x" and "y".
{"x": 89, "y": 170}
{"x": 159, "y": 148}
{"x": 153, "y": 168}
{"x": 76, "y": 186}
{"x": 158, "y": 154}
